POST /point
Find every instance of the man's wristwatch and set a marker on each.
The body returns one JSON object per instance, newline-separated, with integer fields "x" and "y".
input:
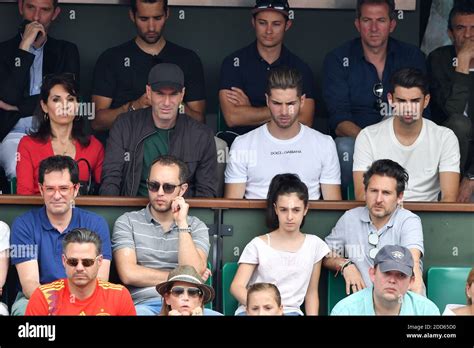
{"x": 186, "y": 230}
{"x": 131, "y": 107}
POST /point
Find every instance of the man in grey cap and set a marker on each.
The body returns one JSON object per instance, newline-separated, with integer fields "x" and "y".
{"x": 139, "y": 136}
{"x": 391, "y": 275}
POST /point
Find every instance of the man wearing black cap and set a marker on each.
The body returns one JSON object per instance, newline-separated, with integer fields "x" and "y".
{"x": 244, "y": 72}
{"x": 139, "y": 136}
{"x": 391, "y": 275}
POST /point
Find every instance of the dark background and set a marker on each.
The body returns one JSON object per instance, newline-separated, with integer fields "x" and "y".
{"x": 212, "y": 33}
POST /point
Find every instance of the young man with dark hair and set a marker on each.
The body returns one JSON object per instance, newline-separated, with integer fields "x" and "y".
{"x": 244, "y": 73}
{"x": 282, "y": 143}
{"x": 451, "y": 70}
{"x": 391, "y": 275}
{"x": 429, "y": 153}
{"x": 81, "y": 293}
{"x": 37, "y": 234}
{"x": 24, "y": 61}
{"x": 362, "y": 231}
{"x": 356, "y": 76}
{"x": 121, "y": 72}
{"x": 148, "y": 243}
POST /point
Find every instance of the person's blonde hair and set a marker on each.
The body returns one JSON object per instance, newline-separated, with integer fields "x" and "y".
{"x": 257, "y": 287}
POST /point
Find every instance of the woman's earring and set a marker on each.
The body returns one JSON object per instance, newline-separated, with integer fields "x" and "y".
{"x": 46, "y": 116}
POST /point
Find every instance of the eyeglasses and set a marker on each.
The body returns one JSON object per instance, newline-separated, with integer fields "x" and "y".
{"x": 378, "y": 92}
{"x": 180, "y": 290}
{"x": 154, "y": 186}
{"x": 73, "y": 262}
{"x": 51, "y": 190}
{"x": 373, "y": 240}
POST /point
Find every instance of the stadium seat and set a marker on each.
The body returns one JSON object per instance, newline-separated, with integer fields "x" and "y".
{"x": 336, "y": 290}
{"x": 446, "y": 285}
{"x": 230, "y": 304}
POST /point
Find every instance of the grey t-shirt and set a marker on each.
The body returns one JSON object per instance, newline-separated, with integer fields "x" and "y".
{"x": 154, "y": 247}
{"x": 350, "y": 237}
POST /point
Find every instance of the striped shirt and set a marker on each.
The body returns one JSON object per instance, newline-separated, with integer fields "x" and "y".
{"x": 154, "y": 247}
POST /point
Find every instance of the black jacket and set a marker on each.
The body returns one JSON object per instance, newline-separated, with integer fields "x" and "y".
{"x": 191, "y": 141}
{"x": 58, "y": 57}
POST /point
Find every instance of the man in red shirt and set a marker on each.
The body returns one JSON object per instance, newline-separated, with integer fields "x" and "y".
{"x": 81, "y": 293}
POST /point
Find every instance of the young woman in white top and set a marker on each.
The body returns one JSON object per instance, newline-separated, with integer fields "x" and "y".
{"x": 456, "y": 309}
{"x": 285, "y": 257}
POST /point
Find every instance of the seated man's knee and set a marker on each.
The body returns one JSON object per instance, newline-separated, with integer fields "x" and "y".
{"x": 461, "y": 126}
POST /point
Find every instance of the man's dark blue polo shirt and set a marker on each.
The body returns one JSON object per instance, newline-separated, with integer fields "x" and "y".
{"x": 247, "y": 70}
{"x": 349, "y": 80}
{"x": 34, "y": 238}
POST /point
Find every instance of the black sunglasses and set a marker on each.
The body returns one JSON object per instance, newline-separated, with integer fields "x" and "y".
{"x": 180, "y": 290}
{"x": 73, "y": 262}
{"x": 154, "y": 186}
{"x": 276, "y": 4}
{"x": 378, "y": 92}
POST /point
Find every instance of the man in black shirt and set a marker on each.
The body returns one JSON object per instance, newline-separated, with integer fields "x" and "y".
{"x": 121, "y": 72}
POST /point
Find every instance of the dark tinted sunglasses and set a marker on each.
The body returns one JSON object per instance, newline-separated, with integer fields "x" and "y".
{"x": 73, "y": 262}
{"x": 180, "y": 290}
{"x": 154, "y": 186}
{"x": 276, "y": 4}
{"x": 378, "y": 92}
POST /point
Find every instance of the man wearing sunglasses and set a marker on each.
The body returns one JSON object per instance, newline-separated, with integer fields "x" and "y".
{"x": 244, "y": 73}
{"x": 24, "y": 60}
{"x": 82, "y": 292}
{"x": 361, "y": 232}
{"x": 37, "y": 235}
{"x": 392, "y": 276}
{"x": 356, "y": 77}
{"x": 139, "y": 136}
{"x": 148, "y": 243}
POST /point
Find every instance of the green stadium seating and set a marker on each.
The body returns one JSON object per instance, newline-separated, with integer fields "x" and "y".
{"x": 230, "y": 304}
{"x": 446, "y": 285}
{"x": 336, "y": 290}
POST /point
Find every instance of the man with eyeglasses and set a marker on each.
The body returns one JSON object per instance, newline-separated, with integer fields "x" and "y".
{"x": 391, "y": 275}
{"x": 82, "y": 292}
{"x": 24, "y": 60}
{"x": 356, "y": 77}
{"x": 451, "y": 70}
{"x": 149, "y": 243}
{"x": 361, "y": 232}
{"x": 244, "y": 73}
{"x": 429, "y": 153}
{"x": 139, "y": 136}
{"x": 36, "y": 236}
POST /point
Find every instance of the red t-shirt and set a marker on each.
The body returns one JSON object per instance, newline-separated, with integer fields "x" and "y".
{"x": 31, "y": 152}
{"x": 55, "y": 299}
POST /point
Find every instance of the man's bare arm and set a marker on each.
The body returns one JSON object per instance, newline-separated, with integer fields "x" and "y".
{"x": 449, "y": 184}
{"x": 236, "y": 191}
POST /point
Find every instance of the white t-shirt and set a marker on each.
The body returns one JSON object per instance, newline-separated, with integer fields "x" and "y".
{"x": 435, "y": 150}
{"x": 289, "y": 271}
{"x": 256, "y": 157}
{"x": 4, "y": 236}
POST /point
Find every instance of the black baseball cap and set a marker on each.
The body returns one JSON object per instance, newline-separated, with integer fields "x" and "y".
{"x": 281, "y": 6}
{"x": 166, "y": 75}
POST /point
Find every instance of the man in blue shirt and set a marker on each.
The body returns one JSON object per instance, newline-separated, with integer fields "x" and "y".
{"x": 244, "y": 73}
{"x": 356, "y": 76}
{"x": 36, "y": 237}
{"x": 392, "y": 274}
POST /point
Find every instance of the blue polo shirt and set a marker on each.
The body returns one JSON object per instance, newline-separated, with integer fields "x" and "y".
{"x": 247, "y": 70}
{"x": 362, "y": 303}
{"x": 34, "y": 238}
{"x": 349, "y": 79}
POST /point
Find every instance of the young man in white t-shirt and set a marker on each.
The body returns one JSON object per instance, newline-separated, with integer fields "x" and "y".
{"x": 283, "y": 145}
{"x": 429, "y": 153}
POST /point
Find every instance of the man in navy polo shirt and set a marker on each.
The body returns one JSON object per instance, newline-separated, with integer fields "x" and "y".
{"x": 36, "y": 236}
{"x": 244, "y": 73}
{"x": 357, "y": 74}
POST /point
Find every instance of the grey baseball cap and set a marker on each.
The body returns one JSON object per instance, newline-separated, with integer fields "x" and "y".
{"x": 166, "y": 75}
{"x": 394, "y": 258}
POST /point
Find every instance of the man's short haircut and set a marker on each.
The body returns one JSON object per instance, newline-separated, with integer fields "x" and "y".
{"x": 133, "y": 4}
{"x": 284, "y": 77}
{"x": 81, "y": 236}
{"x": 389, "y": 168}
{"x": 169, "y": 160}
{"x": 284, "y": 184}
{"x": 58, "y": 163}
{"x": 265, "y": 287}
{"x": 389, "y": 3}
{"x": 410, "y": 78}
{"x": 460, "y": 7}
